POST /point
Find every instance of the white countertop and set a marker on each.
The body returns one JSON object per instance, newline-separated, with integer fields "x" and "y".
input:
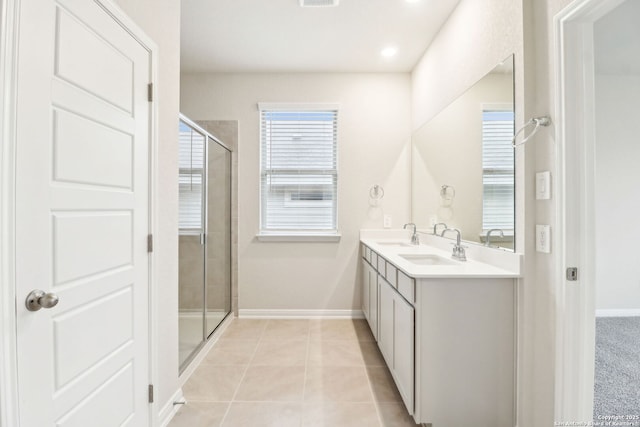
{"x": 505, "y": 265}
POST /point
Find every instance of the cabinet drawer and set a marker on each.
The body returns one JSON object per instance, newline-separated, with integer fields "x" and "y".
{"x": 367, "y": 254}
{"x": 392, "y": 275}
{"x": 382, "y": 266}
{"x": 374, "y": 260}
{"x": 407, "y": 287}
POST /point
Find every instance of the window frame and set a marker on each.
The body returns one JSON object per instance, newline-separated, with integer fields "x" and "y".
{"x": 293, "y": 235}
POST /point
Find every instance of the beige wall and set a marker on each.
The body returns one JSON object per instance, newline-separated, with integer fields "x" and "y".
{"x": 374, "y": 128}
{"x": 540, "y": 99}
{"x": 478, "y": 35}
{"x": 617, "y": 195}
{"x": 160, "y": 19}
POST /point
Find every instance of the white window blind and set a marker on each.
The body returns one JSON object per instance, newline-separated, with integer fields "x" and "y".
{"x": 298, "y": 170}
{"x": 497, "y": 170}
{"x": 191, "y": 171}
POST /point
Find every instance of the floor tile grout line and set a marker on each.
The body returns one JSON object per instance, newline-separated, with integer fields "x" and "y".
{"x": 304, "y": 378}
{"x": 235, "y": 393}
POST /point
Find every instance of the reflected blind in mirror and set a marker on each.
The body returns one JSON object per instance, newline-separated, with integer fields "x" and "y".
{"x": 298, "y": 170}
{"x": 497, "y": 170}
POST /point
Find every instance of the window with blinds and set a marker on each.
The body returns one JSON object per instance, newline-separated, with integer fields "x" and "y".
{"x": 299, "y": 175}
{"x": 498, "y": 196}
{"x": 191, "y": 176}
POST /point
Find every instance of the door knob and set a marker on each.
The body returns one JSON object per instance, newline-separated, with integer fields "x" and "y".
{"x": 38, "y": 299}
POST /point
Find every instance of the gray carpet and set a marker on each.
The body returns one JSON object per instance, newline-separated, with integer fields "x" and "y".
{"x": 617, "y": 376}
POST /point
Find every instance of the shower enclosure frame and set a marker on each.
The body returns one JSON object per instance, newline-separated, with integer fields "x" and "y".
{"x": 204, "y": 234}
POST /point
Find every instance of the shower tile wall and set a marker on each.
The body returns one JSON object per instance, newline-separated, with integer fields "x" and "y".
{"x": 191, "y": 265}
{"x": 219, "y": 238}
{"x": 227, "y": 131}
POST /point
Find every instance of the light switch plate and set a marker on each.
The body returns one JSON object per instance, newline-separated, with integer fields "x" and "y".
{"x": 543, "y": 185}
{"x": 386, "y": 221}
{"x": 543, "y": 238}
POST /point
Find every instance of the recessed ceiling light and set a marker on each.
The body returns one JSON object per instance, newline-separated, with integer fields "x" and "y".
{"x": 388, "y": 52}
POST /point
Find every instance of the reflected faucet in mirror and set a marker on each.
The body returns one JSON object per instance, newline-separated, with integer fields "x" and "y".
{"x": 490, "y": 232}
{"x": 435, "y": 227}
{"x": 458, "y": 249}
{"x": 415, "y": 240}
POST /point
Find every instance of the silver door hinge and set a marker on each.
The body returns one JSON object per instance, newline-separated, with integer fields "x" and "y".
{"x": 150, "y": 92}
{"x": 150, "y": 243}
{"x": 150, "y": 393}
{"x": 572, "y": 274}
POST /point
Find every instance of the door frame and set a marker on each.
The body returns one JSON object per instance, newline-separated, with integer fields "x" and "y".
{"x": 574, "y": 190}
{"x": 9, "y": 26}
{"x": 9, "y": 10}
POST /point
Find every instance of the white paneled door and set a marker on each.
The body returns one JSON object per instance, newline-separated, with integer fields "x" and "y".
{"x": 82, "y": 204}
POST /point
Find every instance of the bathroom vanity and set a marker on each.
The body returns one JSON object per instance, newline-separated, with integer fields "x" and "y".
{"x": 445, "y": 328}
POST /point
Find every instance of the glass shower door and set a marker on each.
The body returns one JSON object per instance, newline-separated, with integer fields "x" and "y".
{"x": 218, "y": 247}
{"x": 204, "y": 237}
{"x": 191, "y": 219}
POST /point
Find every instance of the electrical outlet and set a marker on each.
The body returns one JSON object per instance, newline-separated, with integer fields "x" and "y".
{"x": 543, "y": 238}
{"x": 386, "y": 221}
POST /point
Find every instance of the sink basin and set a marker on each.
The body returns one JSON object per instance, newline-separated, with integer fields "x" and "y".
{"x": 428, "y": 259}
{"x": 401, "y": 244}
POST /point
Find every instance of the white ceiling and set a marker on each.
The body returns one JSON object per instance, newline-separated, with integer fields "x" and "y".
{"x": 281, "y": 36}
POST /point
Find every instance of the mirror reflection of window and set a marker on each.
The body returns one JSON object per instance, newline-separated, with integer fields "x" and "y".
{"x": 497, "y": 169}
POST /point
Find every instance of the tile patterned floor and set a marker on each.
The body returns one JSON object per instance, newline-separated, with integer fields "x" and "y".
{"x": 302, "y": 373}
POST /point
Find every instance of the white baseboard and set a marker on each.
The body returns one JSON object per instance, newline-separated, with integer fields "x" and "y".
{"x": 300, "y": 314}
{"x": 169, "y": 409}
{"x": 621, "y": 312}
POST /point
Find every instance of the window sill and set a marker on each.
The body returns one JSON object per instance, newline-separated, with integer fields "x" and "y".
{"x": 297, "y": 237}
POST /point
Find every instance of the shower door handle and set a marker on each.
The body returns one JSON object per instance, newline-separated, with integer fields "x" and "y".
{"x": 202, "y": 238}
{"x": 38, "y": 299}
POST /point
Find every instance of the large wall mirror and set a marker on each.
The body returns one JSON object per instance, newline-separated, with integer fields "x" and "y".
{"x": 463, "y": 164}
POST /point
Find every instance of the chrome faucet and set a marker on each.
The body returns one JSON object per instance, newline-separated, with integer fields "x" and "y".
{"x": 415, "y": 240}
{"x": 458, "y": 249}
{"x": 435, "y": 227}
{"x": 487, "y": 241}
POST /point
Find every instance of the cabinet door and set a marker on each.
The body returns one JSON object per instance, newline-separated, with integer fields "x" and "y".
{"x": 373, "y": 302}
{"x": 403, "y": 349}
{"x": 385, "y": 320}
{"x": 366, "y": 278}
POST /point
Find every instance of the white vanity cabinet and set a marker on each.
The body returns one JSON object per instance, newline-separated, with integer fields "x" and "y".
{"x": 391, "y": 319}
{"x": 465, "y": 352}
{"x": 385, "y": 324}
{"x": 370, "y": 296}
{"x": 449, "y": 342}
{"x": 396, "y": 340}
